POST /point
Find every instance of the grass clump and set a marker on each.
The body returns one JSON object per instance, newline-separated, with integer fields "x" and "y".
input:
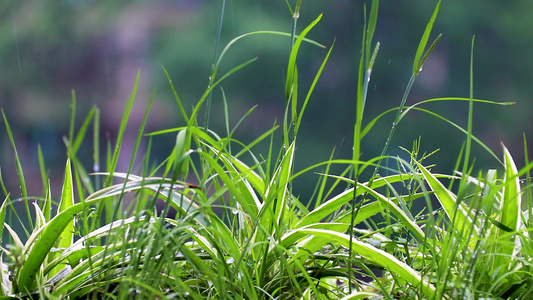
{"x": 215, "y": 220}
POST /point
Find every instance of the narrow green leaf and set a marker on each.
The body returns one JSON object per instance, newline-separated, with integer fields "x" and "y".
{"x": 311, "y": 89}
{"x": 511, "y": 202}
{"x": 456, "y": 212}
{"x": 509, "y": 212}
{"x": 66, "y": 237}
{"x": 417, "y": 64}
{"x": 20, "y": 173}
{"x": 291, "y": 67}
{"x": 380, "y": 257}
{"x": 123, "y": 123}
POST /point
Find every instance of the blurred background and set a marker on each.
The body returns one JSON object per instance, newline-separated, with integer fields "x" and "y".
{"x": 48, "y": 48}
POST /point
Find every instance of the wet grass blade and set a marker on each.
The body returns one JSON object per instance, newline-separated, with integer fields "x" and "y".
{"x": 65, "y": 239}
{"x": 417, "y": 64}
{"x": 20, "y": 173}
{"x": 380, "y": 257}
{"x": 510, "y": 213}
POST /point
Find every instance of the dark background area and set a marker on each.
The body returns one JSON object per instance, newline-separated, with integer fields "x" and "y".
{"x": 48, "y": 48}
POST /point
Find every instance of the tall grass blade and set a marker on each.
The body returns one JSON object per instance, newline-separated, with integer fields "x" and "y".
{"x": 417, "y": 64}
{"x": 510, "y": 213}
{"x": 291, "y": 67}
{"x": 311, "y": 89}
{"x": 20, "y": 173}
{"x": 123, "y": 123}
{"x": 66, "y": 237}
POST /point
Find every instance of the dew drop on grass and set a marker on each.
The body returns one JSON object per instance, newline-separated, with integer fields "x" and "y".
{"x": 235, "y": 211}
{"x": 96, "y": 167}
{"x": 230, "y": 260}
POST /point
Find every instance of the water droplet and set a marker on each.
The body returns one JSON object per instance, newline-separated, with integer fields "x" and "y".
{"x": 393, "y": 124}
{"x": 96, "y": 167}
{"x": 230, "y": 260}
{"x": 234, "y": 211}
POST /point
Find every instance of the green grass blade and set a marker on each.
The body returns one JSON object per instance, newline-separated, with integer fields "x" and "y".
{"x": 233, "y": 41}
{"x": 455, "y": 211}
{"x": 124, "y": 121}
{"x": 72, "y": 117}
{"x": 510, "y": 214}
{"x": 20, "y": 173}
{"x": 42, "y": 169}
{"x": 311, "y": 89}
{"x": 380, "y": 257}
{"x": 178, "y": 101}
{"x": 291, "y": 67}
{"x": 417, "y": 64}
{"x": 65, "y": 239}
{"x": 80, "y": 136}
{"x": 51, "y": 232}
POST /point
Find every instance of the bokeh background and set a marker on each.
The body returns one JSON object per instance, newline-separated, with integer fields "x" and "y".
{"x": 48, "y": 48}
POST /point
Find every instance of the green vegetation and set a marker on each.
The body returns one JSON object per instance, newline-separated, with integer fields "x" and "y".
{"x": 216, "y": 220}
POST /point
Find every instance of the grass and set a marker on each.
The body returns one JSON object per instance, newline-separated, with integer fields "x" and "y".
{"x": 215, "y": 220}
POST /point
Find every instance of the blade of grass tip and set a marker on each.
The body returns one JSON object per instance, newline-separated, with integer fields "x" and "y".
{"x": 196, "y": 109}
{"x": 417, "y": 68}
{"x": 47, "y": 206}
{"x": 291, "y": 67}
{"x": 233, "y": 41}
{"x": 213, "y": 65}
{"x": 72, "y": 120}
{"x": 417, "y": 65}
{"x": 370, "y": 30}
{"x": 20, "y": 173}
{"x": 80, "y": 136}
{"x": 509, "y": 208}
{"x": 96, "y": 146}
{"x": 42, "y": 169}
{"x": 311, "y": 89}
{"x": 66, "y": 237}
{"x": 178, "y": 101}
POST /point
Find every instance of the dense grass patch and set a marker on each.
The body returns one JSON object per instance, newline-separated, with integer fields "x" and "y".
{"x": 217, "y": 220}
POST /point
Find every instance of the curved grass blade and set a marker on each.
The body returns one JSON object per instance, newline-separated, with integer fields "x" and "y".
{"x": 66, "y": 237}
{"x": 509, "y": 212}
{"x": 417, "y": 64}
{"x": 50, "y": 233}
{"x": 20, "y": 173}
{"x": 378, "y": 256}
{"x": 457, "y": 213}
{"x": 291, "y": 67}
